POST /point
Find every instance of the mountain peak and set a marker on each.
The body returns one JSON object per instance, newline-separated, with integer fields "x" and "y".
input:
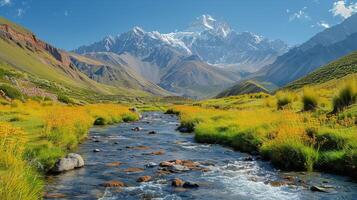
{"x": 208, "y": 23}
{"x": 138, "y": 30}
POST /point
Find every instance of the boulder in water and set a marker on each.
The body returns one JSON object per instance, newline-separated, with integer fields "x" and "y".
{"x": 71, "y": 161}
{"x": 144, "y": 179}
{"x": 190, "y": 185}
{"x": 177, "y": 182}
{"x": 113, "y": 184}
{"x": 137, "y": 129}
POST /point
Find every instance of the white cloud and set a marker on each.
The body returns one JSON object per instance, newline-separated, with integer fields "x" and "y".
{"x": 287, "y": 11}
{"x": 66, "y": 13}
{"x": 20, "y": 12}
{"x": 5, "y": 2}
{"x": 343, "y": 9}
{"x": 323, "y": 24}
{"x": 300, "y": 15}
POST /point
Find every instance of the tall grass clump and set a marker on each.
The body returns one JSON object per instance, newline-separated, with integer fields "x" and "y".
{"x": 309, "y": 100}
{"x": 18, "y": 180}
{"x": 346, "y": 96}
{"x": 283, "y": 99}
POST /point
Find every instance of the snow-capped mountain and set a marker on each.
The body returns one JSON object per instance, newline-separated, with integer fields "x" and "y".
{"x": 202, "y": 60}
{"x": 212, "y": 40}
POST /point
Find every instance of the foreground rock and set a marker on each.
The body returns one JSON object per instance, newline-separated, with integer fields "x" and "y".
{"x": 177, "y": 182}
{"x": 190, "y": 185}
{"x": 71, "y": 161}
{"x": 113, "y": 184}
{"x": 185, "y": 184}
{"x": 179, "y": 166}
{"x": 144, "y": 179}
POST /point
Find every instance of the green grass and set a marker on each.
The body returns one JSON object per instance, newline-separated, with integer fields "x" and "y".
{"x": 340, "y": 68}
{"x": 11, "y": 92}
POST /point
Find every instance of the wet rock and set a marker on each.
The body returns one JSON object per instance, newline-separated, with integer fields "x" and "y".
{"x": 289, "y": 178}
{"x": 315, "y": 188}
{"x": 183, "y": 129}
{"x": 71, "y": 161}
{"x": 151, "y": 165}
{"x": 190, "y": 185}
{"x": 152, "y": 132}
{"x": 96, "y": 150}
{"x": 277, "y": 183}
{"x": 166, "y": 164}
{"x": 113, "y": 184}
{"x": 113, "y": 164}
{"x": 157, "y": 153}
{"x": 96, "y": 140}
{"x": 177, "y": 182}
{"x": 162, "y": 172}
{"x": 116, "y": 142}
{"x": 144, "y": 179}
{"x": 133, "y": 170}
{"x": 137, "y": 129}
{"x": 54, "y": 196}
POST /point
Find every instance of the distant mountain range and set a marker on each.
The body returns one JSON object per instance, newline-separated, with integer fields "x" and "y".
{"x": 209, "y": 55}
{"x": 324, "y": 47}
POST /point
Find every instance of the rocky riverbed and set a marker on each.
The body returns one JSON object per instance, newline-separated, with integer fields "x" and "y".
{"x": 148, "y": 159}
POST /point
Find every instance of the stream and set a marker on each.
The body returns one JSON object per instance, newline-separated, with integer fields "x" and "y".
{"x": 221, "y": 174}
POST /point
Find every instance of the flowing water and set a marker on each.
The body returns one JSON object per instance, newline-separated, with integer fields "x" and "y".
{"x": 231, "y": 175}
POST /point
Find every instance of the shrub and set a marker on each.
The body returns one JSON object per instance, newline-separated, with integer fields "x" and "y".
{"x": 100, "y": 121}
{"x": 309, "y": 100}
{"x": 291, "y": 155}
{"x": 329, "y": 139}
{"x": 346, "y": 97}
{"x": 11, "y": 92}
{"x": 64, "y": 99}
{"x": 247, "y": 141}
{"x": 283, "y": 100}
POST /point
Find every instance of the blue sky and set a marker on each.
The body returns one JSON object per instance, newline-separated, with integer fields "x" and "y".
{"x": 70, "y": 23}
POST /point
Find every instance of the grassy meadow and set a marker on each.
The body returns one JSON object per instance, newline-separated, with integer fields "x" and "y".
{"x": 308, "y": 129}
{"x": 34, "y": 134}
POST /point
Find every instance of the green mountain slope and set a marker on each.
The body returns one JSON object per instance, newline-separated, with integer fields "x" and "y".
{"x": 244, "y": 87}
{"x": 338, "y": 69}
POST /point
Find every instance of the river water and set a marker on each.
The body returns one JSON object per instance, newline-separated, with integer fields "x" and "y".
{"x": 230, "y": 174}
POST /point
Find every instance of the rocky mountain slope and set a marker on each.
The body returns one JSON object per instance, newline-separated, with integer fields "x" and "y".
{"x": 21, "y": 50}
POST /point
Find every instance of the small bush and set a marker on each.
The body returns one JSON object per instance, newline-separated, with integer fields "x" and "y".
{"x": 291, "y": 155}
{"x": 346, "y": 97}
{"x": 309, "y": 100}
{"x": 330, "y": 139}
{"x": 11, "y": 92}
{"x": 64, "y": 99}
{"x": 283, "y": 100}
{"x": 100, "y": 121}
{"x": 247, "y": 141}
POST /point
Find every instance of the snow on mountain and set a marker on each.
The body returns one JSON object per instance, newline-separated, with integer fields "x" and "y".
{"x": 211, "y": 40}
